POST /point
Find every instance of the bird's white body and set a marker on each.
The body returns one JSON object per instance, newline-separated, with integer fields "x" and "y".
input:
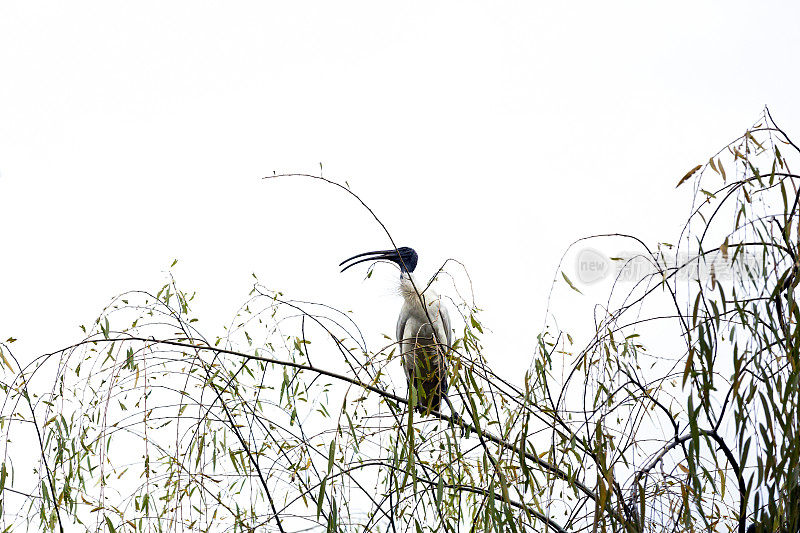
{"x": 424, "y": 348}
{"x": 423, "y": 329}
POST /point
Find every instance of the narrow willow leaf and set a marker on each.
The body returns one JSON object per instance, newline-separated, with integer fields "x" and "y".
{"x": 688, "y": 175}
{"x": 321, "y": 496}
{"x": 570, "y": 283}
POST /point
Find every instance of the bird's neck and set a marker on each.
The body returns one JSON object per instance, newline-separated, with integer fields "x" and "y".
{"x": 408, "y": 282}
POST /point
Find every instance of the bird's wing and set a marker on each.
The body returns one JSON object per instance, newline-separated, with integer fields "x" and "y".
{"x": 402, "y": 320}
{"x": 401, "y": 324}
{"x": 446, "y": 323}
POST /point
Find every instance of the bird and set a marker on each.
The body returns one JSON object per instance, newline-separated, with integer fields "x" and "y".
{"x": 423, "y": 329}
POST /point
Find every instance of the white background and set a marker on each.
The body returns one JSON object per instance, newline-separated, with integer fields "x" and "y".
{"x": 134, "y": 133}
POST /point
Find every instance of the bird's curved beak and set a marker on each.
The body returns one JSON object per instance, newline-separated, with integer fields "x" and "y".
{"x": 390, "y": 255}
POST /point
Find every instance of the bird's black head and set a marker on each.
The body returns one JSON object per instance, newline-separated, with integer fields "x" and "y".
{"x": 404, "y": 257}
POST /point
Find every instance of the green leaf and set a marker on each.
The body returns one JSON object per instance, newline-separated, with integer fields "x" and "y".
{"x": 331, "y": 454}
{"x": 573, "y": 287}
{"x": 695, "y": 309}
{"x": 321, "y": 496}
{"x": 687, "y": 370}
{"x": 475, "y": 323}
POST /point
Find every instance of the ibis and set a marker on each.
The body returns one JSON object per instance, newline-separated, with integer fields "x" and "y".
{"x": 423, "y": 329}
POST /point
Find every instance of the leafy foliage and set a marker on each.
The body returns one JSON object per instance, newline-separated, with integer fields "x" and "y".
{"x": 289, "y": 421}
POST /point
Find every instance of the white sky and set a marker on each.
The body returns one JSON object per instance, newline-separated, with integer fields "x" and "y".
{"x": 133, "y": 133}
